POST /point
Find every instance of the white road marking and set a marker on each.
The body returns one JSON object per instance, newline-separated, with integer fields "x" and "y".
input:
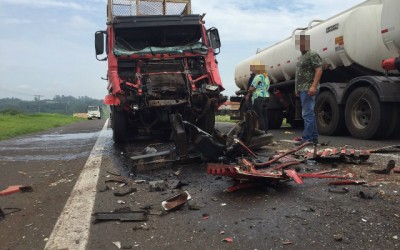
{"x": 72, "y": 228}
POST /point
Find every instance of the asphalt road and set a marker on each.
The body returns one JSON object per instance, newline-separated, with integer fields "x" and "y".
{"x": 69, "y": 169}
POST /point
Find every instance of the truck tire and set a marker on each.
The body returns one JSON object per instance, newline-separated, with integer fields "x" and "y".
{"x": 366, "y": 118}
{"x": 275, "y": 118}
{"x": 119, "y": 124}
{"x": 207, "y": 122}
{"x": 330, "y": 116}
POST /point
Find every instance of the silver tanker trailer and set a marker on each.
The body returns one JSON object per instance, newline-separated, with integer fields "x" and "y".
{"x": 360, "y": 86}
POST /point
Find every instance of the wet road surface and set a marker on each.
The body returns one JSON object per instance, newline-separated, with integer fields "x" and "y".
{"x": 286, "y": 216}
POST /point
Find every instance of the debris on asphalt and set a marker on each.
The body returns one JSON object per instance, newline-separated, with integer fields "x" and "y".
{"x": 346, "y": 182}
{"x": 389, "y": 167}
{"x": 112, "y": 173}
{"x": 365, "y": 195}
{"x": 117, "y": 180}
{"x": 2, "y": 214}
{"x": 117, "y": 244}
{"x": 149, "y": 150}
{"x": 287, "y": 242}
{"x": 175, "y": 184}
{"x": 103, "y": 189}
{"x": 228, "y": 240}
{"x": 132, "y": 216}
{"x": 247, "y": 173}
{"x": 15, "y": 189}
{"x": 121, "y": 202}
{"x": 125, "y": 192}
{"x": 338, "y": 237}
{"x": 157, "y": 186}
{"x": 342, "y": 155}
{"x": 194, "y": 206}
{"x": 176, "y": 202}
{"x": 339, "y": 190}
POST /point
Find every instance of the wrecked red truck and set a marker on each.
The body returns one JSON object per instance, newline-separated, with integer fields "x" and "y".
{"x": 161, "y": 62}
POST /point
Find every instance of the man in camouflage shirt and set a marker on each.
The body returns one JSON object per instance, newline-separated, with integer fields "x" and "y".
{"x": 308, "y": 75}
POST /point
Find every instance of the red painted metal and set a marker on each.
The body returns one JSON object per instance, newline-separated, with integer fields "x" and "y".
{"x": 293, "y": 174}
{"x": 111, "y": 100}
{"x": 340, "y": 154}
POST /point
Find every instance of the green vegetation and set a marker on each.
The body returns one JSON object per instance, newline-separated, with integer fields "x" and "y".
{"x": 224, "y": 118}
{"x": 66, "y": 105}
{"x": 12, "y": 125}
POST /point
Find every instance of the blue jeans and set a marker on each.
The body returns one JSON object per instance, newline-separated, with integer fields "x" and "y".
{"x": 310, "y": 132}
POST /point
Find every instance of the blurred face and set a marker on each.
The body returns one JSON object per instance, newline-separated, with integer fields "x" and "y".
{"x": 303, "y": 42}
{"x": 257, "y": 69}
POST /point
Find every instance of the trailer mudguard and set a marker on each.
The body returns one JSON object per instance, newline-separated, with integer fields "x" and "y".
{"x": 386, "y": 88}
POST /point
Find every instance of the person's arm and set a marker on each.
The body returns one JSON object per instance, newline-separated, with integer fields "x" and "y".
{"x": 317, "y": 77}
{"x": 249, "y": 92}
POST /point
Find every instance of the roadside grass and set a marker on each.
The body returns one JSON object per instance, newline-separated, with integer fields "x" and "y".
{"x": 21, "y": 124}
{"x": 224, "y": 118}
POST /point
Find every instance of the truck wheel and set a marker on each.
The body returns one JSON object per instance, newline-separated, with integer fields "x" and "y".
{"x": 330, "y": 116}
{"x": 275, "y": 118}
{"x": 119, "y": 125}
{"x": 207, "y": 122}
{"x": 366, "y": 118}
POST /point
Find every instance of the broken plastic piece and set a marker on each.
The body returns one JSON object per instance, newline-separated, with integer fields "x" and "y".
{"x": 228, "y": 239}
{"x": 176, "y": 202}
{"x": 15, "y": 189}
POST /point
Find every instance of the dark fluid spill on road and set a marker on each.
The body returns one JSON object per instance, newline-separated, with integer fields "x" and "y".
{"x": 49, "y": 147}
{"x": 60, "y": 157}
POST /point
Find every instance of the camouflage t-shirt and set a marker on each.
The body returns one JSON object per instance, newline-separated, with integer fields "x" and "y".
{"x": 305, "y": 70}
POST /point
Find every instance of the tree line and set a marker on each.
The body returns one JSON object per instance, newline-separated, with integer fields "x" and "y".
{"x": 60, "y": 104}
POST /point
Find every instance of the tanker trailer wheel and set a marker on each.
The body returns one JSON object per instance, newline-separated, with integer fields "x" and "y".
{"x": 119, "y": 124}
{"x": 330, "y": 116}
{"x": 207, "y": 122}
{"x": 366, "y": 118}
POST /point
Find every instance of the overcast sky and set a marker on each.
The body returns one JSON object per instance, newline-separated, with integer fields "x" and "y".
{"x": 47, "y": 46}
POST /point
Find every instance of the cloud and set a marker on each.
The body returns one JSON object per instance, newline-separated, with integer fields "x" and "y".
{"x": 80, "y": 23}
{"x": 46, "y": 3}
{"x": 16, "y": 21}
{"x": 265, "y": 20}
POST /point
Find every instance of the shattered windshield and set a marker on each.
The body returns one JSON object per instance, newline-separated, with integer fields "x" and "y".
{"x": 156, "y": 40}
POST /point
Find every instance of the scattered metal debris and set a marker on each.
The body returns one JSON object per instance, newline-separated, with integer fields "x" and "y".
{"x": 176, "y": 201}
{"x": 389, "y": 167}
{"x": 120, "y": 216}
{"x": 347, "y": 182}
{"x": 338, "y": 155}
{"x": 249, "y": 176}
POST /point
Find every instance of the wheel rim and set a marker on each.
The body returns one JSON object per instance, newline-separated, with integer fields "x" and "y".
{"x": 325, "y": 114}
{"x": 361, "y": 114}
